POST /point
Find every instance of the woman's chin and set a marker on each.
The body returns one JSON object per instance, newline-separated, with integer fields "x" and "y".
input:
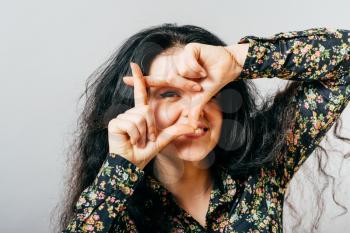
{"x": 200, "y": 159}
{"x": 191, "y": 157}
{"x": 193, "y": 152}
{"x": 188, "y": 149}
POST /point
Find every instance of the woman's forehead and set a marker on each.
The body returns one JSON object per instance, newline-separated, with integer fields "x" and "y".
{"x": 164, "y": 62}
{"x": 161, "y": 65}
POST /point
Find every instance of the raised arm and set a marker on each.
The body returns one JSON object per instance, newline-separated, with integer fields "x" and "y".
{"x": 133, "y": 142}
{"x": 314, "y": 54}
{"x": 320, "y": 59}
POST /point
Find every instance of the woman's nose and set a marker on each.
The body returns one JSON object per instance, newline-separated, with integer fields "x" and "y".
{"x": 186, "y": 112}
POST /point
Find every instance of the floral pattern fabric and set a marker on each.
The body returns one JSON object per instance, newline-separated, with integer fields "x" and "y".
{"x": 320, "y": 59}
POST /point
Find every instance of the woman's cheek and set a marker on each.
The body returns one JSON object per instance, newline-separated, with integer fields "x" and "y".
{"x": 214, "y": 115}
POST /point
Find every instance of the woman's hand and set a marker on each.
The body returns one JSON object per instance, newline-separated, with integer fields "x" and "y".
{"x": 211, "y": 66}
{"x": 133, "y": 135}
{"x": 222, "y": 65}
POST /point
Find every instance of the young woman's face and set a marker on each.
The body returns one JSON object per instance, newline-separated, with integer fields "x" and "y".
{"x": 172, "y": 105}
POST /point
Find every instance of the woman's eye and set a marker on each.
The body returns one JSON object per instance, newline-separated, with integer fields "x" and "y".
{"x": 169, "y": 94}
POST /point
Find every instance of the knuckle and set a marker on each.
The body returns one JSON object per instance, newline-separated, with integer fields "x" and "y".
{"x": 190, "y": 45}
{"x": 133, "y": 130}
{"x": 112, "y": 124}
{"x": 148, "y": 110}
{"x": 120, "y": 116}
{"x": 130, "y": 110}
{"x": 139, "y": 121}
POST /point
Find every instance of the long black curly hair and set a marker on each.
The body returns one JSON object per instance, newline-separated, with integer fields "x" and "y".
{"x": 261, "y": 128}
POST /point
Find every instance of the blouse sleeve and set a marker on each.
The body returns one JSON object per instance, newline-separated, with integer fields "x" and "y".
{"x": 320, "y": 59}
{"x": 102, "y": 205}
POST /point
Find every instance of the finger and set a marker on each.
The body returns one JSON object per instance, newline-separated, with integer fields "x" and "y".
{"x": 172, "y": 81}
{"x": 192, "y": 55}
{"x": 140, "y": 122}
{"x": 187, "y": 62}
{"x": 150, "y": 120}
{"x": 170, "y": 133}
{"x": 130, "y": 128}
{"x": 184, "y": 69}
{"x": 140, "y": 92}
{"x": 197, "y": 105}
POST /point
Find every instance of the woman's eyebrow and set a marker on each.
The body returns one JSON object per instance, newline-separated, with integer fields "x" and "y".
{"x": 155, "y": 89}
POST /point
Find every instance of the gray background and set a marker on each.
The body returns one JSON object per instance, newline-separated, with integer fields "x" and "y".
{"x": 48, "y": 49}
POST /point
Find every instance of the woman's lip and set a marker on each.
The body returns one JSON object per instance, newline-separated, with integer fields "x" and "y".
{"x": 194, "y": 136}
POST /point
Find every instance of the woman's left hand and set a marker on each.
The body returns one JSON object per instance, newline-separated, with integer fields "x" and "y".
{"x": 210, "y": 66}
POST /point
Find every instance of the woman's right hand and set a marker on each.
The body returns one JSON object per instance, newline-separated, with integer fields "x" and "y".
{"x": 130, "y": 133}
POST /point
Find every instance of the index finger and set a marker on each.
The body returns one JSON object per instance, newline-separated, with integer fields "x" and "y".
{"x": 140, "y": 92}
{"x": 172, "y": 80}
{"x": 197, "y": 106}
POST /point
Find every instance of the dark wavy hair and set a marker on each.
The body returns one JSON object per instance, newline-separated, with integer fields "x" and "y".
{"x": 261, "y": 128}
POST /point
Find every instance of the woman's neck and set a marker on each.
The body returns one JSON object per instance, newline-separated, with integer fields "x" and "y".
{"x": 184, "y": 179}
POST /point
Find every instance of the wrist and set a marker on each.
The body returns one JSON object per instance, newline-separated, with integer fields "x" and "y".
{"x": 239, "y": 54}
{"x": 141, "y": 164}
{"x": 125, "y": 159}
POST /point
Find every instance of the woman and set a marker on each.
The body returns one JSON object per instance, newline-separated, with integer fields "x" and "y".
{"x": 181, "y": 146}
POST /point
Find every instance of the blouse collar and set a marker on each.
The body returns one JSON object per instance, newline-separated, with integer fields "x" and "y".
{"x": 223, "y": 192}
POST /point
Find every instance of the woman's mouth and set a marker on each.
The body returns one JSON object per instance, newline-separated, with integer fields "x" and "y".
{"x": 199, "y": 132}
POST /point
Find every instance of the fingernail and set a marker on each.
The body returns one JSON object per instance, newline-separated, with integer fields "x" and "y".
{"x": 196, "y": 87}
{"x": 203, "y": 73}
{"x": 152, "y": 137}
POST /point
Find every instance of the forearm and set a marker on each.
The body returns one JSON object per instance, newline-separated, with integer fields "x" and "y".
{"x": 314, "y": 54}
{"x": 104, "y": 202}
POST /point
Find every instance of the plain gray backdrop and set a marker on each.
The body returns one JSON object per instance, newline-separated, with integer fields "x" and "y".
{"x": 49, "y": 48}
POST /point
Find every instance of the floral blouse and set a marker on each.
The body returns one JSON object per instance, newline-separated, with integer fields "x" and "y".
{"x": 320, "y": 59}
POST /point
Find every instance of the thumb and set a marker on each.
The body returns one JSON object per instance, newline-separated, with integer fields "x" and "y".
{"x": 170, "y": 133}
